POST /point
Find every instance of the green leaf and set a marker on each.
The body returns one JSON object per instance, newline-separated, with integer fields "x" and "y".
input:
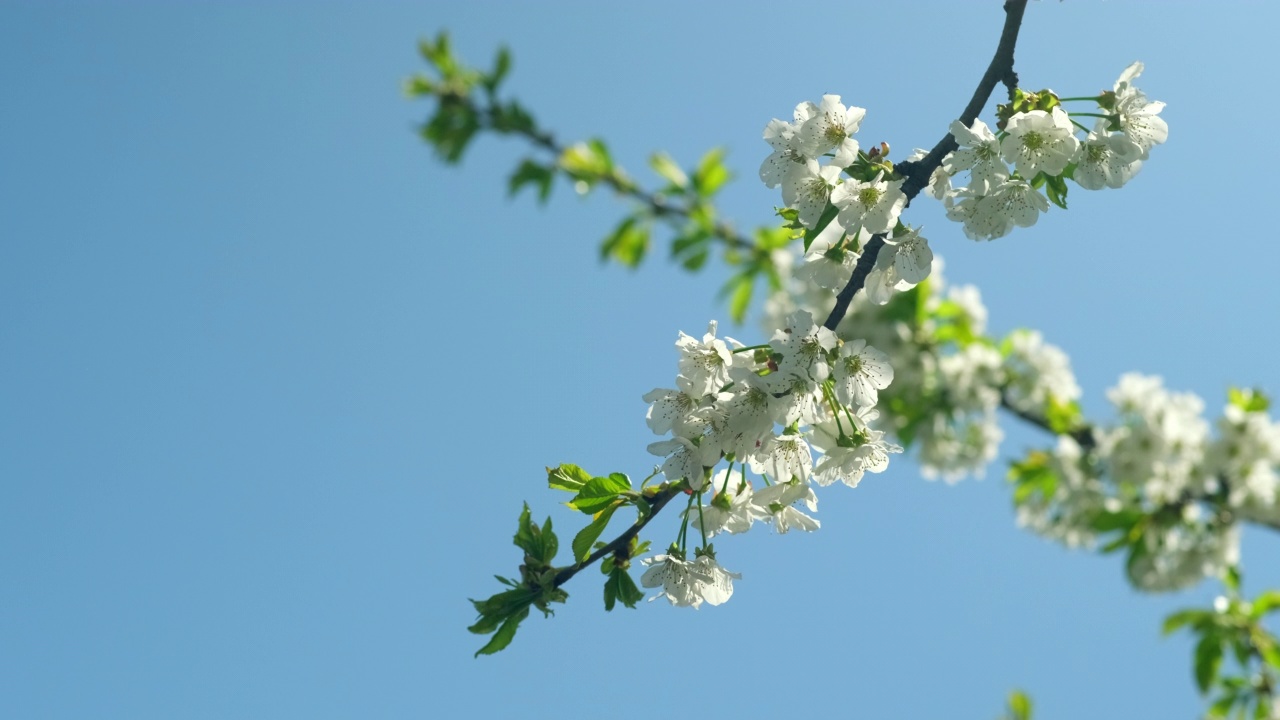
{"x": 504, "y": 635}
{"x": 665, "y": 166}
{"x": 1108, "y": 521}
{"x": 1231, "y": 578}
{"x": 494, "y": 609}
{"x": 693, "y": 241}
{"x": 824, "y": 220}
{"x": 588, "y": 162}
{"x": 628, "y": 243}
{"x": 1222, "y": 707}
{"x": 550, "y": 543}
{"x": 1056, "y": 189}
{"x": 524, "y": 538}
{"x": 1063, "y": 417}
{"x": 711, "y": 174}
{"x": 1183, "y": 618}
{"x": 587, "y": 536}
{"x": 532, "y": 173}
{"x": 1033, "y": 479}
{"x": 1248, "y": 400}
{"x": 601, "y": 152}
{"x": 1019, "y": 705}
{"x": 1271, "y": 655}
{"x": 1265, "y": 602}
{"x": 694, "y": 262}
{"x": 600, "y": 492}
{"x": 739, "y": 289}
{"x": 1208, "y": 661}
{"x": 772, "y": 238}
{"x": 451, "y": 129}
{"x": 567, "y": 477}
{"x": 501, "y": 66}
{"x": 419, "y": 85}
{"x": 620, "y": 586}
{"x": 510, "y": 117}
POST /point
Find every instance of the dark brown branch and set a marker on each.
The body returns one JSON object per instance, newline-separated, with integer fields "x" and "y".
{"x": 866, "y": 263}
{"x": 917, "y": 173}
{"x": 999, "y": 71}
{"x": 1082, "y": 435}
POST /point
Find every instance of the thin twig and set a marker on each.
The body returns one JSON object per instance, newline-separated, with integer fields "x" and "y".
{"x": 656, "y": 202}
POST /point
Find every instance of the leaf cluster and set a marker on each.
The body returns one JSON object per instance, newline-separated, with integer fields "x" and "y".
{"x": 1233, "y": 629}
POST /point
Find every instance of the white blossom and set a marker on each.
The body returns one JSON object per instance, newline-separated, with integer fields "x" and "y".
{"x": 831, "y": 129}
{"x": 873, "y": 206}
{"x": 783, "y": 457}
{"x": 1138, "y": 116}
{"x": 688, "y": 584}
{"x": 788, "y": 148}
{"x": 804, "y": 346}
{"x": 1160, "y": 442}
{"x": 1037, "y": 371}
{"x": 830, "y": 260}
{"x": 807, "y": 187}
{"x": 850, "y": 447}
{"x": 979, "y": 153}
{"x": 704, "y": 365}
{"x": 987, "y": 217}
{"x": 777, "y": 503}
{"x": 1106, "y": 159}
{"x": 1039, "y": 141}
{"x": 860, "y": 373}
{"x": 685, "y": 460}
{"x": 730, "y": 509}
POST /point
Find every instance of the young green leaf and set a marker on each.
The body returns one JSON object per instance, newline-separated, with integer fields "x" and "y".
{"x": 587, "y": 536}
{"x": 504, "y": 635}
{"x": 567, "y": 477}
{"x": 621, "y": 587}
{"x": 600, "y": 492}
{"x": 1208, "y": 661}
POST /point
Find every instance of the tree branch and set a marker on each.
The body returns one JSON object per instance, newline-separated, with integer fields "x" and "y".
{"x": 1087, "y": 439}
{"x": 918, "y": 172}
{"x": 1000, "y": 70}
{"x": 620, "y": 183}
{"x": 656, "y": 503}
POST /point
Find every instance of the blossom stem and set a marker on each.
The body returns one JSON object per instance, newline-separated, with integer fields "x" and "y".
{"x": 702, "y": 524}
{"x": 831, "y": 401}
{"x": 751, "y": 347}
{"x": 683, "y": 538}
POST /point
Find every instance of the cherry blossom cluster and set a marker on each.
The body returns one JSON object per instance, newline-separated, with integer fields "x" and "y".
{"x": 954, "y": 387}
{"x": 1040, "y": 146}
{"x": 818, "y": 164}
{"x": 1160, "y": 461}
{"x": 763, "y": 410}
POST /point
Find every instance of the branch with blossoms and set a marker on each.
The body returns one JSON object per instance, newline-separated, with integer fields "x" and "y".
{"x": 468, "y": 103}
{"x": 901, "y": 361}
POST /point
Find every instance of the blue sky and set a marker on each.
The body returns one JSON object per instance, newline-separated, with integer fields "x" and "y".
{"x": 274, "y": 382}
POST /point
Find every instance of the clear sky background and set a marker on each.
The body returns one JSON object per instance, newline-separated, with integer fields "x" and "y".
{"x": 274, "y": 382}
